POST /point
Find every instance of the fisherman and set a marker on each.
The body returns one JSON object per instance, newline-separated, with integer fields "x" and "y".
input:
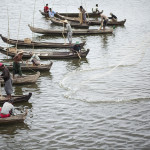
{"x": 113, "y": 17}
{"x": 76, "y": 49}
{"x": 34, "y": 59}
{"x": 46, "y": 9}
{"x": 104, "y": 21}
{"x": 7, "y": 80}
{"x": 69, "y": 31}
{"x": 95, "y": 10}
{"x": 51, "y": 13}
{"x": 82, "y": 15}
{"x": 7, "y": 110}
{"x": 16, "y": 64}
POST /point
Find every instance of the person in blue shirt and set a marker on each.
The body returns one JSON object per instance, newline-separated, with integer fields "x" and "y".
{"x": 51, "y": 13}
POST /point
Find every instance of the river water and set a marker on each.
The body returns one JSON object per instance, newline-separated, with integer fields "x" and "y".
{"x": 101, "y": 102}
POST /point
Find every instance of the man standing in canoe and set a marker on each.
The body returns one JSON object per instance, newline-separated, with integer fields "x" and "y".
{"x": 16, "y": 64}
{"x": 7, "y": 110}
{"x": 104, "y": 21}
{"x": 7, "y": 80}
{"x": 69, "y": 31}
{"x": 82, "y": 15}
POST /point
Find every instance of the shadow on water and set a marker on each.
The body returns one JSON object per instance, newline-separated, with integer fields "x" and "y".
{"x": 13, "y": 128}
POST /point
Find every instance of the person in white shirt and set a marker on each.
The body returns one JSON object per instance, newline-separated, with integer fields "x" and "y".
{"x": 7, "y": 110}
{"x": 69, "y": 31}
{"x": 51, "y": 13}
{"x": 34, "y": 59}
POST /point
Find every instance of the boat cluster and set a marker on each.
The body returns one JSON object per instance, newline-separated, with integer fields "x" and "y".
{"x": 73, "y": 50}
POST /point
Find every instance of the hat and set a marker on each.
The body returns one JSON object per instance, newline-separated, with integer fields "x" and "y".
{"x": 65, "y": 21}
{"x": 21, "y": 52}
{"x": 1, "y": 64}
{"x": 77, "y": 42}
{"x": 11, "y": 101}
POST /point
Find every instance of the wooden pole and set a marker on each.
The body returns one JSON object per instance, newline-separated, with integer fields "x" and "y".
{"x": 18, "y": 30}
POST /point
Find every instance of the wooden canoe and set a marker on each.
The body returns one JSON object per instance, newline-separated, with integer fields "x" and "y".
{"x": 27, "y": 79}
{"x": 75, "y": 32}
{"x": 38, "y": 44}
{"x": 48, "y": 55}
{"x": 92, "y": 22}
{"x": 30, "y": 67}
{"x": 77, "y": 25}
{"x": 14, "y": 119}
{"x": 90, "y": 14}
{"x": 16, "y": 98}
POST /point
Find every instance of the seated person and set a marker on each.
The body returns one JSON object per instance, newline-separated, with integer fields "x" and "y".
{"x": 95, "y": 10}
{"x": 113, "y": 17}
{"x": 34, "y": 59}
{"x": 51, "y": 13}
{"x": 7, "y": 110}
{"x": 46, "y": 9}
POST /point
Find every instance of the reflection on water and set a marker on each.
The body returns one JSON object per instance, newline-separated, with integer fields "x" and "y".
{"x": 13, "y": 128}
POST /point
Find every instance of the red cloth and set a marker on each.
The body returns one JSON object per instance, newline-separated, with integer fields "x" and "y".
{"x": 3, "y": 116}
{"x": 46, "y": 9}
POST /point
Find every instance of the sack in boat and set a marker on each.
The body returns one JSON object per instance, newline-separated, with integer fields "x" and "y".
{"x": 13, "y": 50}
{"x": 27, "y": 40}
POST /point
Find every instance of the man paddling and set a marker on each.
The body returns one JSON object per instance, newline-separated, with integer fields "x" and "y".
{"x": 77, "y": 49}
{"x": 7, "y": 80}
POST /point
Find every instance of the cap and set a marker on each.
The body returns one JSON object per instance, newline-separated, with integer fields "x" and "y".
{"x": 21, "y": 52}
{"x": 77, "y": 42}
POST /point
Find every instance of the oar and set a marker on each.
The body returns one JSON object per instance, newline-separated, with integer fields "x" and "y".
{"x": 78, "y": 55}
{"x": 63, "y": 33}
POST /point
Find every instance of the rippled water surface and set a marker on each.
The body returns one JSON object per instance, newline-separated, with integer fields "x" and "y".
{"x": 101, "y": 102}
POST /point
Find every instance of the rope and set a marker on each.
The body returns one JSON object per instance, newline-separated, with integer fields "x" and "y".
{"x": 18, "y": 30}
{"x": 8, "y": 32}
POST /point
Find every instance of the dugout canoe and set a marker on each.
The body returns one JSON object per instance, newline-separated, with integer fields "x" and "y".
{"x": 38, "y": 44}
{"x": 25, "y": 79}
{"x": 90, "y": 14}
{"x": 76, "y": 25}
{"x": 14, "y": 119}
{"x": 30, "y": 67}
{"x": 16, "y": 98}
{"x": 48, "y": 55}
{"x": 92, "y": 22}
{"x": 75, "y": 31}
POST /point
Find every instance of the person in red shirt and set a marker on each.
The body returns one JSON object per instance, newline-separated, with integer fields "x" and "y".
{"x": 46, "y": 8}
